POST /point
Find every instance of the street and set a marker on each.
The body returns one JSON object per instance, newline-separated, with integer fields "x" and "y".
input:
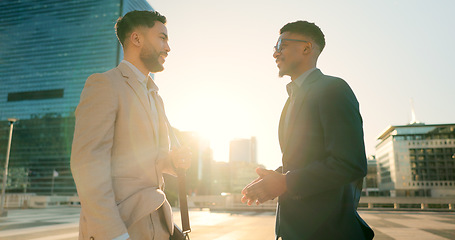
{"x": 61, "y": 223}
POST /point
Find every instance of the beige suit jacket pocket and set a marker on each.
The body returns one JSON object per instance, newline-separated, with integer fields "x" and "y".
{"x": 142, "y": 203}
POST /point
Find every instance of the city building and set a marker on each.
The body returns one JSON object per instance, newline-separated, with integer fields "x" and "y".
{"x": 48, "y": 49}
{"x": 221, "y": 178}
{"x": 199, "y": 176}
{"x": 241, "y": 174}
{"x": 243, "y": 150}
{"x": 417, "y": 160}
{"x": 242, "y": 163}
{"x": 370, "y": 182}
{"x": 232, "y": 177}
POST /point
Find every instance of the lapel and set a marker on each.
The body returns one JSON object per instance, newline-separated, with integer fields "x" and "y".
{"x": 300, "y": 99}
{"x": 133, "y": 82}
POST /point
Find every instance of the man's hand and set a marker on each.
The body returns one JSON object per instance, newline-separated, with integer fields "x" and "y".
{"x": 244, "y": 191}
{"x": 267, "y": 186}
{"x": 181, "y": 157}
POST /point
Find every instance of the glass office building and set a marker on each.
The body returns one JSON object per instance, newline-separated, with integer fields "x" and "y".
{"x": 417, "y": 160}
{"x": 47, "y": 51}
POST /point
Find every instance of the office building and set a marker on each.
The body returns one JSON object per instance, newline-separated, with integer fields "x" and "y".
{"x": 48, "y": 49}
{"x": 232, "y": 177}
{"x": 417, "y": 160}
{"x": 243, "y": 150}
{"x": 370, "y": 182}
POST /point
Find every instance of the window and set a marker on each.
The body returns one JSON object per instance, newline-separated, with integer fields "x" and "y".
{"x": 35, "y": 95}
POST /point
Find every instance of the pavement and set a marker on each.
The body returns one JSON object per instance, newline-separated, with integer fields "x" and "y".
{"x": 61, "y": 223}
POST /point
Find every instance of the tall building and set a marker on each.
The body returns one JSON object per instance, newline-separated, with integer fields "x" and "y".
{"x": 417, "y": 160}
{"x": 242, "y": 163}
{"x": 200, "y": 175}
{"x": 47, "y": 50}
{"x": 232, "y": 177}
{"x": 370, "y": 182}
{"x": 243, "y": 150}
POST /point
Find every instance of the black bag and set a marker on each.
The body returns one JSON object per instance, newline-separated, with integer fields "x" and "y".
{"x": 178, "y": 234}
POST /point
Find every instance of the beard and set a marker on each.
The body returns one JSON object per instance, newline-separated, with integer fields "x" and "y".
{"x": 282, "y": 69}
{"x": 149, "y": 58}
{"x": 287, "y": 68}
{"x": 282, "y": 72}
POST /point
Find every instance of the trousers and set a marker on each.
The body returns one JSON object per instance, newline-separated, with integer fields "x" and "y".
{"x": 150, "y": 227}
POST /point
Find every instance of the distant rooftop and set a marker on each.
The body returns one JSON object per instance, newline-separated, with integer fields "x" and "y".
{"x": 411, "y": 129}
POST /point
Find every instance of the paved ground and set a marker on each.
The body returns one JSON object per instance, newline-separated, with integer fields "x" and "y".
{"x": 61, "y": 223}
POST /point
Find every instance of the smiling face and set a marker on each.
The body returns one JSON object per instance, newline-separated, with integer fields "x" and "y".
{"x": 292, "y": 54}
{"x": 155, "y": 47}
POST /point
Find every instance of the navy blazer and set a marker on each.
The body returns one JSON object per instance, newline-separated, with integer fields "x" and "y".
{"x": 324, "y": 158}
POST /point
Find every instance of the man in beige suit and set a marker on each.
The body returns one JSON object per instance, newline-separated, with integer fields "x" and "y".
{"x": 121, "y": 144}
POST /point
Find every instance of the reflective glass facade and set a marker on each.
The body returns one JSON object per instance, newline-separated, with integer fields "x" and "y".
{"x": 417, "y": 160}
{"x": 47, "y": 51}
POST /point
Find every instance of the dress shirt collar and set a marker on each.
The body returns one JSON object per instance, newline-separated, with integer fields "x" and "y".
{"x": 297, "y": 83}
{"x": 146, "y": 81}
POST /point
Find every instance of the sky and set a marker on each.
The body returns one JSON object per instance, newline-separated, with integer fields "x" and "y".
{"x": 221, "y": 80}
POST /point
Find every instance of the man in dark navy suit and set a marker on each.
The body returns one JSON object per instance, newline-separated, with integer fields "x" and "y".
{"x": 321, "y": 138}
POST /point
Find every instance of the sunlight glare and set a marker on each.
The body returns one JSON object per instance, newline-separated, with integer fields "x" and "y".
{"x": 219, "y": 118}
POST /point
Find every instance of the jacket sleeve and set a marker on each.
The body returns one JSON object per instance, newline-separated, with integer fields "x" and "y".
{"x": 91, "y": 158}
{"x": 343, "y": 144}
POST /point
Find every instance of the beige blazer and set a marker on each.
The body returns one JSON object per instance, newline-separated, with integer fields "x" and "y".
{"x": 117, "y": 159}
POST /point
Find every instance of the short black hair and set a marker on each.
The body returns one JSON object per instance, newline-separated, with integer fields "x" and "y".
{"x": 307, "y": 29}
{"x": 133, "y": 19}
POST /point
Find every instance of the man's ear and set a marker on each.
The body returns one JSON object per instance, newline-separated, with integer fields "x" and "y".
{"x": 308, "y": 48}
{"x": 136, "y": 39}
{"x": 305, "y": 50}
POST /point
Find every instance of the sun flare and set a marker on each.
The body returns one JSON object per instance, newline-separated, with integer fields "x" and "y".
{"x": 218, "y": 119}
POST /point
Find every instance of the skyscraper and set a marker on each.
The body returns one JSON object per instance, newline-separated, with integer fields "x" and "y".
{"x": 242, "y": 163}
{"x": 47, "y": 50}
{"x": 243, "y": 150}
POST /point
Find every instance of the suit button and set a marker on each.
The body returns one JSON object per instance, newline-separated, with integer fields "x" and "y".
{"x": 92, "y": 238}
